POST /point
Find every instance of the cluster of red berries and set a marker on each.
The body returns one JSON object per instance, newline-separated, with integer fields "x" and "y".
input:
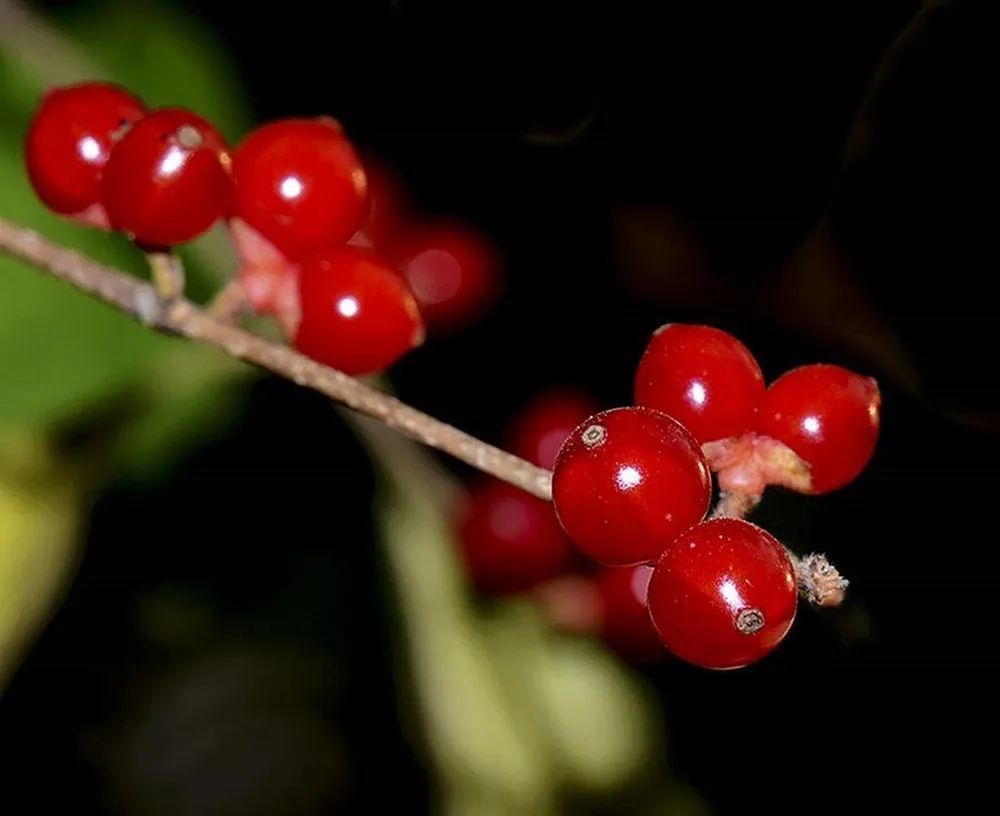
{"x": 326, "y": 245}
{"x": 329, "y": 247}
{"x": 632, "y": 487}
{"x": 511, "y": 542}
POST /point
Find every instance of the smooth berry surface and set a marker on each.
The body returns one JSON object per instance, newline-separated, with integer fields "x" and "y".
{"x": 829, "y": 416}
{"x": 626, "y": 482}
{"x": 454, "y": 270}
{"x": 357, "y": 313}
{"x": 543, "y": 424}
{"x": 625, "y": 624}
{"x": 703, "y": 377}
{"x": 168, "y": 180}
{"x": 70, "y": 139}
{"x": 510, "y": 541}
{"x": 301, "y": 185}
{"x": 723, "y": 594}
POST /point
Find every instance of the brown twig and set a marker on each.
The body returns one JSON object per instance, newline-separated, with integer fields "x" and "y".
{"x": 818, "y": 580}
{"x": 140, "y": 301}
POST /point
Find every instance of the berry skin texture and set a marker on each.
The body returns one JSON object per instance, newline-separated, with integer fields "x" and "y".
{"x": 510, "y": 541}
{"x": 301, "y": 185}
{"x": 546, "y": 422}
{"x": 723, "y": 594}
{"x": 829, "y": 416}
{"x": 357, "y": 313}
{"x": 454, "y": 271}
{"x": 627, "y": 482}
{"x": 703, "y": 377}
{"x": 168, "y": 179}
{"x": 69, "y": 142}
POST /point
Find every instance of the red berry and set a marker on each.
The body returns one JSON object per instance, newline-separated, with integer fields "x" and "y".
{"x": 301, "y": 185}
{"x": 624, "y": 618}
{"x": 704, "y": 378}
{"x": 510, "y": 540}
{"x": 544, "y": 424}
{"x": 723, "y": 594}
{"x": 357, "y": 313}
{"x": 70, "y": 139}
{"x": 168, "y": 179}
{"x": 454, "y": 271}
{"x": 389, "y": 208}
{"x": 829, "y": 416}
{"x": 627, "y": 482}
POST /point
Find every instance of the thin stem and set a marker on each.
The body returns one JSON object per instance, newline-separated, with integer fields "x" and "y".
{"x": 181, "y": 317}
{"x": 818, "y": 580}
{"x": 168, "y": 275}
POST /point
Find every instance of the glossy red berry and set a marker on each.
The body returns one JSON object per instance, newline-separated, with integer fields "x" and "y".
{"x": 454, "y": 270}
{"x": 723, "y": 594}
{"x": 69, "y": 142}
{"x": 510, "y": 541}
{"x": 301, "y": 185}
{"x": 625, "y": 624}
{"x": 829, "y": 416}
{"x": 703, "y": 377}
{"x": 627, "y": 482}
{"x": 389, "y": 208}
{"x": 168, "y": 180}
{"x": 546, "y": 422}
{"x": 357, "y": 313}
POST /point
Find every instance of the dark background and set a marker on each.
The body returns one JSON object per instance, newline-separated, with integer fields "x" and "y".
{"x": 812, "y": 213}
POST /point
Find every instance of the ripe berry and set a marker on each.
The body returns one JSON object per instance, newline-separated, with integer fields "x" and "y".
{"x": 829, "y": 416}
{"x": 301, "y": 185}
{"x": 627, "y": 482}
{"x": 624, "y": 616}
{"x": 168, "y": 179}
{"x": 454, "y": 271}
{"x": 357, "y": 313}
{"x": 69, "y": 141}
{"x": 704, "y": 378}
{"x": 510, "y": 540}
{"x": 544, "y": 424}
{"x": 723, "y": 594}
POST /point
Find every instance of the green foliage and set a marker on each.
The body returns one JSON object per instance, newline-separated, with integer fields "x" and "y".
{"x": 64, "y": 356}
{"x": 59, "y": 352}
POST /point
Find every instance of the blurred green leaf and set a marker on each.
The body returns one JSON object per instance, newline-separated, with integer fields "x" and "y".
{"x": 59, "y": 352}
{"x": 40, "y": 512}
{"x": 192, "y": 407}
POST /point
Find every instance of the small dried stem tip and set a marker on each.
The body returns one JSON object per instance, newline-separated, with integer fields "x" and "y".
{"x": 168, "y": 275}
{"x": 750, "y": 621}
{"x": 819, "y": 581}
{"x": 594, "y": 436}
{"x": 230, "y": 303}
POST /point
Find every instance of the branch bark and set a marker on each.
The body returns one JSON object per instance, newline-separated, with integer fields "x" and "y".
{"x": 178, "y": 316}
{"x": 818, "y": 580}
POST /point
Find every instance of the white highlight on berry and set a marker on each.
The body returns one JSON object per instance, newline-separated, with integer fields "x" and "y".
{"x": 696, "y": 393}
{"x": 628, "y": 477}
{"x": 811, "y": 424}
{"x": 731, "y": 595}
{"x": 172, "y": 161}
{"x": 348, "y": 306}
{"x": 291, "y": 187}
{"x": 89, "y": 149}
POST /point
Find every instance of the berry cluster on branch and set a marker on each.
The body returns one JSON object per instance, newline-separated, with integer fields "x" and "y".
{"x": 324, "y": 248}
